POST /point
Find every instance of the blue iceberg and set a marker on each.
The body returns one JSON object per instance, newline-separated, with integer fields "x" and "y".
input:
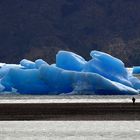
{"x": 26, "y": 81}
{"x": 64, "y": 81}
{"x": 136, "y": 70}
{"x": 4, "y": 69}
{"x": 108, "y": 66}
{"x": 69, "y": 61}
{"x": 72, "y": 74}
{"x": 27, "y": 64}
{"x": 40, "y": 62}
{"x": 58, "y": 80}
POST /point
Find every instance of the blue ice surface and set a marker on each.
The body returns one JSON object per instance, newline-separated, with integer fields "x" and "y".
{"x": 57, "y": 79}
{"x": 27, "y": 64}
{"x": 136, "y": 70}
{"x": 135, "y": 81}
{"x": 40, "y": 62}
{"x": 1, "y": 87}
{"x": 70, "y": 61}
{"x": 64, "y": 81}
{"x": 26, "y": 81}
{"x": 108, "y": 66}
{"x": 4, "y": 69}
{"x": 72, "y": 74}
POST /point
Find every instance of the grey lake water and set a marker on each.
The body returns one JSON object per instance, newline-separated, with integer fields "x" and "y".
{"x": 12, "y": 98}
{"x": 69, "y": 130}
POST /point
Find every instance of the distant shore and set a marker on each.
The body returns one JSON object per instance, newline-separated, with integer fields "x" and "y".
{"x": 69, "y": 108}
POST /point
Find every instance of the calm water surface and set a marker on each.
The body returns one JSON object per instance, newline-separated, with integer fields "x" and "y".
{"x": 70, "y": 130}
{"x": 5, "y": 98}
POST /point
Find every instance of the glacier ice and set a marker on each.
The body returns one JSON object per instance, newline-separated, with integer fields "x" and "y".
{"x": 135, "y": 81}
{"x": 69, "y": 61}
{"x": 27, "y": 64}
{"x": 58, "y": 80}
{"x": 25, "y": 81}
{"x": 1, "y": 87}
{"x": 64, "y": 81}
{"x": 40, "y": 62}
{"x": 72, "y": 74}
{"x": 4, "y": 69}
{"x": 136, "y": 70}
{"x": 108, "y": 66}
